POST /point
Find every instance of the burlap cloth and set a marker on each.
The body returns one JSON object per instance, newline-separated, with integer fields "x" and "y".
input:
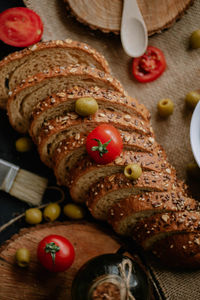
{"x": 182, "y": 75}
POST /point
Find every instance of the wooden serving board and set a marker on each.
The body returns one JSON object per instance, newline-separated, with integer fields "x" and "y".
{"x": 35, "y": 283}
{"x": 106, "y": 14}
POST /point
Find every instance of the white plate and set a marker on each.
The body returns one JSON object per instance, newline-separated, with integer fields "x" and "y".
{"x": 195, "y": 133}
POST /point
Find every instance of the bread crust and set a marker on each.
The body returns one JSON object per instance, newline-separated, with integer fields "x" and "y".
{"x": 149, "y": 201}
{"x": 20, "y": 122}
{"x": 66, "y": 100}
{"x": 17, "y": 57}
{"x": 67, "y": 43}
{"x": 180, "y": 250}
{"x": 149, "y": 229}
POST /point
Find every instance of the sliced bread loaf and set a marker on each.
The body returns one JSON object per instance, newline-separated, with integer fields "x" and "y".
{"x": 44, "y": 55}
{"x": 124, "y": 214}
{"x": 34, "y": 89}
{"x": 71, "y": 150}
{"x": 87, "y": 172}
{"x": 63, "y": 102}
{"x": 180, "y": 250}
{"x": 69, "y": 125}
{"x": 117, "y": 186}
{"x": 153, "y": 228}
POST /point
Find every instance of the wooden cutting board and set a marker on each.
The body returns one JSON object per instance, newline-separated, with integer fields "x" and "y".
{"x": 35, "y": 283}
{"x": 106, "y": 14}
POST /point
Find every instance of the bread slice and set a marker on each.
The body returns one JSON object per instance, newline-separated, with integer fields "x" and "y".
{"x": 73, "y": 149}
{"x": 153, "y": 228}
{"x": 117, "y": 186}
{"x": 44, "y": 55}
{"x": 180, "y": 250}
{"x": 63, "y": 102}
{"x": 87, "y": 172}
{"x": 69, "y": 125}
{"x": 34, "y": 89}
{"x": 123, "y": 215}
{"x": 86, "y": 167}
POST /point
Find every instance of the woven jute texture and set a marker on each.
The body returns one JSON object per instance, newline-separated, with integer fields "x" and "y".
{"x": 182, "y": 75}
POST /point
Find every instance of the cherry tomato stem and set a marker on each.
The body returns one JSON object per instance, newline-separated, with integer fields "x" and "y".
{"x": 104, "y": 144}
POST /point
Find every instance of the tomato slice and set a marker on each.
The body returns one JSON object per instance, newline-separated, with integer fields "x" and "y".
{"x": 20, "y": 27}
{"x": 150, "y": 65}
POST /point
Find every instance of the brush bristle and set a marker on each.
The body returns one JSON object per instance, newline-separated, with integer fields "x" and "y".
{"x": 28, "y": 187}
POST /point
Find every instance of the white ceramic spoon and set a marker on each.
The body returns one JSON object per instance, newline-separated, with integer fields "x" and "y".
{"x": 134, "y": 35}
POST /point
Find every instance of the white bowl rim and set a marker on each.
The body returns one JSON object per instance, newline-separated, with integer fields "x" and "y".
{"x": 195, "y": 133}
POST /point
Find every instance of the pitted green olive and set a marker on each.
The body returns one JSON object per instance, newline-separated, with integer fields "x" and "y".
{"x": 51, "y": 212}
{"x": 192, "y": 98}
{"x": 165, "y": 107}
{"x": 22, "y": 257}
{"x": 33, "y": 216}
{"x": 86, "y": 106}
{"x": 23, "y": 144}
{"x": 74, "y": 211}
{"x": 195, "y": 39}
{"x": 133, "y": 171}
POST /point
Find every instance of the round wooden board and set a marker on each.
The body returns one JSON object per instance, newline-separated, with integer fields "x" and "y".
{"x": 106, "y": 14}
{"x": 35, "y": 282}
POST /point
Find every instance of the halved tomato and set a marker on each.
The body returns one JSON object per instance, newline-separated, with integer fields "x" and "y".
{"x": 20, "y": 27}
{"x": 150, "y": 65}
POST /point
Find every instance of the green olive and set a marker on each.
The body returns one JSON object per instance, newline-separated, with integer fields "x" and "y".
{"x": 86, "y": 106}
{"x": 165, "y": 107}
{"x": 23, "y": 144}
{"x": 74, "y": 211}
{"x": 193, "y": 170}
{"x": 192, "y": 98}
{"x": 33, "y": 216}
{"x": 133, "y": 171}
{"x": 22, "y": 257}
{"x": 195, "y": 39}
{"x": 52, "y": 212}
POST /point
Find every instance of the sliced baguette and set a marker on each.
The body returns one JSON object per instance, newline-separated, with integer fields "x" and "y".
{"x": 44, "y": 55}
{"x": 73, "y": 149}
{"x": 153, "y": 228}
{"x": 63, "y": 102}
{"x": 123, "y": 215}
{"x": 71, "y": 124}
{"x": 34, "y": 89}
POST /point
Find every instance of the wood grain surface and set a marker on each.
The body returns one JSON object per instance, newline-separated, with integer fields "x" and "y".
{"x": 106, "y": 14}
{"x": 37, "y": 283}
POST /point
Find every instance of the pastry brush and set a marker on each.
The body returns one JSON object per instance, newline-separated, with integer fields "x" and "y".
{"x": 21, "y": 184}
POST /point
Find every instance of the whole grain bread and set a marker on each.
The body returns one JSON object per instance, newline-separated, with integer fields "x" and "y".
{"x": 34, "y": 89}
{"x": 44, "y": 55}
{"x": 88, "y": 171}
{"x": 123, "y": 215}
{"x": 70, "y": 150}
{"x": 63, "y": 102}
{"x": 153, "y": 228}
{"x": 180, "y": 250}
{"x": 117, "y": 186}
{"x": 71, "y": 123}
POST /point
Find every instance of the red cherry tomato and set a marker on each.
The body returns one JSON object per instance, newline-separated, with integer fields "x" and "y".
{"x": 55, "y": 253}
{"x": 150, "y": 65}
{"x": 20, "y": 27}
{"x": 104, "y": 144}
